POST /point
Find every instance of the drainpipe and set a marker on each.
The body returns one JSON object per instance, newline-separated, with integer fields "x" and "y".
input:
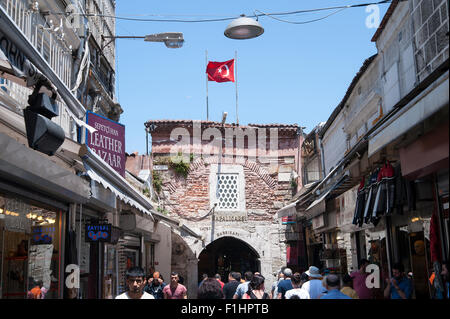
{"x": 77, "y": 62}
{"x": 322, "y": 155}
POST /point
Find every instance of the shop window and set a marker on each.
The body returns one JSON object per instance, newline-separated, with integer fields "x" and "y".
{"x": 109, "y": 272}
{"x": 150, "y": 258}
{"x": 29, "y": 251}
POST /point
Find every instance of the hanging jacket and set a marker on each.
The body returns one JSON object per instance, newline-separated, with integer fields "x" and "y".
{"x": 400, "y": 190}
{"x": 370, "y": 196}
{"x": 358, "y": 218}
{"x": 360, "y": 201}
{"x": 390, "y": 195}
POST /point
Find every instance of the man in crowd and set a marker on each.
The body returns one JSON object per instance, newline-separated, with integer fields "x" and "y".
{"x": 217, "y": 276}
{"x": 274, "y": 290}
{"x": 359, "y": 280}
{"x": 332, "y": 286}
{"x": 230, "y": 287}
{"x": 175, "y": 290}
{"x": 285, "y": 284}
{"x": 314, "y": 285}
{"x": 242, "y": 288}
{"x": 348, "y": 287}
{"x": 204, "y": 277}
{"x": 297, "y": 292}
{"x": 400, "y": 286}
{"x": 155, "y": 286}
{"x": 136, "y": 282}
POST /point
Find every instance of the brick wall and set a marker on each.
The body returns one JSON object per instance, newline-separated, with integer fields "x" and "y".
{"x": 267, "y": 186}
{"x": 430, "y": 20}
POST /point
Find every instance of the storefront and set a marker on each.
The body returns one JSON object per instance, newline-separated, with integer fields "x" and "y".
{"x": 31, "y": 245}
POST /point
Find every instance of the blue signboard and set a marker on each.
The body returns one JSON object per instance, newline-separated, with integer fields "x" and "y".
{"x": 98, "y": 233}
{"x": 42, "y": 235}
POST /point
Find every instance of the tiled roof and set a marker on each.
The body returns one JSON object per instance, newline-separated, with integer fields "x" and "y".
{"x": 385, "y": 20}
{"x": 218, "y": 124}
{"x": 355, "y": 80}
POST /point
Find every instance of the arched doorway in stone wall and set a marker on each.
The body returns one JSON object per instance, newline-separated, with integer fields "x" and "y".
{"x": 227, "y": 254}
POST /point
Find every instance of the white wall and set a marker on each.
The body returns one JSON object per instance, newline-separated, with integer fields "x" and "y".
{"x": 163, "y": 250}
{"x": 334, "y": 143}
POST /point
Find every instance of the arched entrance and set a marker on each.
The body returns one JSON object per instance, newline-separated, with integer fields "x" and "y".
{"x": 227, "y": 254}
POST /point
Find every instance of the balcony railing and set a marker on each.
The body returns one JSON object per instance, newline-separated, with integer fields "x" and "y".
{"x": 52, "y": 48}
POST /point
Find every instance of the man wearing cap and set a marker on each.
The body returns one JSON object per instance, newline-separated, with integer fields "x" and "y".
{"x": 155, "y": 286}
{"x": 314, "y": 286}
{"x": 285, "y": 284}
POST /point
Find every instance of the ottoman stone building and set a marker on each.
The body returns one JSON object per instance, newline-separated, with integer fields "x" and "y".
{"x": 228, "y": 188}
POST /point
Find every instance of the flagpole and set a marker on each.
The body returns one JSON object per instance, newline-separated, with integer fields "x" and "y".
{"x": 207, "y": 107}
{"x": 235, "y": 81}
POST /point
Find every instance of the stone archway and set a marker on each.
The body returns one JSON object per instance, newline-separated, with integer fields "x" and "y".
{"x": 227, "y": 254}
{"x": 184, "y": 262}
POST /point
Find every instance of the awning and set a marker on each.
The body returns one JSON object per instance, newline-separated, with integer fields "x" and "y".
{"x": 96, "y": 177}
{"x": 288, "y": 210}
{"x": 420, "y": 108}
{"x": 318, "y": 206}
{"x": 98, "y": 170}
{"x": 32, "y": 170}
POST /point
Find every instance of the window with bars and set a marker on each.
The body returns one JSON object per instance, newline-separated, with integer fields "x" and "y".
{"x": 228, "y": 191}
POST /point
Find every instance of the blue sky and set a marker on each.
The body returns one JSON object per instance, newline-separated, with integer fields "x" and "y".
{"x": 293, "y": 73}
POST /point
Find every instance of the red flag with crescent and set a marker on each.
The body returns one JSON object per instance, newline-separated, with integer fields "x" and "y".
{"x": 220, "y": 71}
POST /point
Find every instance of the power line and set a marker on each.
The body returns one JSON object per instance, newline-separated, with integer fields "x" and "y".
{"x": 338, "y": 8}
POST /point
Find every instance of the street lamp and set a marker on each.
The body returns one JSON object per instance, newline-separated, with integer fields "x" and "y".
{"x": 243, "y": 28}
{"x": 172, "y": 40}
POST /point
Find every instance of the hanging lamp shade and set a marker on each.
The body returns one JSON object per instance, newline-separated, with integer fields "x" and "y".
{"x": 243, "y": 28}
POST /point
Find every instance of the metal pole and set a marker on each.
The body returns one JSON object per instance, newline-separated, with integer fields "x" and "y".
{"x": 146, "y": 140}
{"x": 79, "y": 252}
{"x": 439, "y": 218}
{"x": 3, "y": 257}
{"x": 235, "y": 82}
{"x": 207, "y": 107}
{"x": 388, "y": 243}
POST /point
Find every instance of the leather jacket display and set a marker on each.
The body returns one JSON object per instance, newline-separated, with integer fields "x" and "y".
{"x": 386, "y": 191}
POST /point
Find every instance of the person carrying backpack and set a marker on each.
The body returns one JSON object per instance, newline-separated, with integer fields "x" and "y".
{"x": 256, "y": 289}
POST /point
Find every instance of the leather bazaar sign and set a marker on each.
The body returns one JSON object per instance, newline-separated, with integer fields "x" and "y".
{"x": 108, "y": 141}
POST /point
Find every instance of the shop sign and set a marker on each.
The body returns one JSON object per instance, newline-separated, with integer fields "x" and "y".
{"x": 160, "y": 167}
{"x": 23, "y": 68}
{"x": 98, "y": 233}
{"x": 108, "y": 141}
{"x": 318, "y": 221}
{"x": 42, "y": 235}
{"x": 230, "y": 233}
{"x": 224, "y": 216}
{"x": 127, "y": 221}
{"x": 288, "y": 220}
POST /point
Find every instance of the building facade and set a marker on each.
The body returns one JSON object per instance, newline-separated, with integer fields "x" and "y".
{"x": 232, "y": 182}
{"x": 395, "y": 120}
{"x": 53, "y": 208}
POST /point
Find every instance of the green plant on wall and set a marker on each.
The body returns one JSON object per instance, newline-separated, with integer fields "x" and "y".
{"x": 293, "y": 184}
{"x": 179, "y": 165}
{"x": 146, "y": 192}
{"x": 157, "y": 182}
{"x": 162, "y": 210}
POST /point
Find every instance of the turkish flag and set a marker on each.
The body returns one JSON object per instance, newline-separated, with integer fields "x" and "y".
{"x": 221, "y": 71}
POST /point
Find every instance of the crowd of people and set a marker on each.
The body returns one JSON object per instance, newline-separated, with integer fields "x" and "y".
{"x": 312, "y": 284}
